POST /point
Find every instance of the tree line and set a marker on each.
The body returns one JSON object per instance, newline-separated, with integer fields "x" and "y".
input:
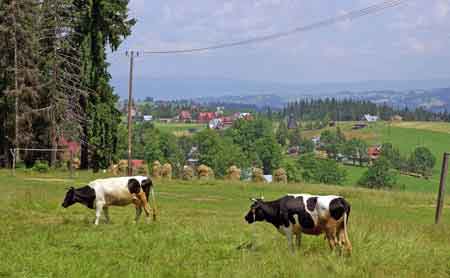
{"x": 353, "y": 110}
{"x": 54, "y": 79}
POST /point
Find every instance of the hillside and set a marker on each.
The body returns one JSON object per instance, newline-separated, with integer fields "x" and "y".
{"x": 200, "y": 228}
{"x": 406, "y": 136}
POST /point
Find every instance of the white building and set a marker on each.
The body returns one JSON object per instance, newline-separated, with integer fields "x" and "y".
{"x": 369, "y": 118}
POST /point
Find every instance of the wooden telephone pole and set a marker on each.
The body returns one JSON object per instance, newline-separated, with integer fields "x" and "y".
{"x": 440, "y": 200}
{"x": 131, "y": 54}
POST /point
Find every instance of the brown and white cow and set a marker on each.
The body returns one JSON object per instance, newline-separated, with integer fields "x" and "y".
{"x": 102, "y": 193}
{"x": 295, "y": 214}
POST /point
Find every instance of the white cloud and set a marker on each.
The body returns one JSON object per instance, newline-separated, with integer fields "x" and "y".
{"x": 442, "y": 8}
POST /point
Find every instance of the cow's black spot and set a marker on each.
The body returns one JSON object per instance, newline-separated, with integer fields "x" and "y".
{"x": 311, "y": 203}
{"x": 337, "y": 208}
{"x": 146, "y": 185}
{"x": 306, "y": 220}
{"x": 86, "y": 196}
{"x": 134, "y": 186}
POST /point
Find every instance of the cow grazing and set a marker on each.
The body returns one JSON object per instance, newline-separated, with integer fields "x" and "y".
{"x": 102, "y": 193}
{"x": 295, "y": 214}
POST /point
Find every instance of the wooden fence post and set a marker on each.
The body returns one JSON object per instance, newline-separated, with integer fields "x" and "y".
{"x": 13, "y": 169}
{"x": 71, "y": 164}
{"x": 440, "y": 200}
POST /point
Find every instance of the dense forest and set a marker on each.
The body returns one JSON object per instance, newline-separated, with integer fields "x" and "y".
{"x": 54, "y": 80}
{"x": 353, "y": 110}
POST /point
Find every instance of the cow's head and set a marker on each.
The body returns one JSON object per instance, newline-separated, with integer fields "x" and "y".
{"x": 70, "y": 198}
{"x": 256, "y": 212}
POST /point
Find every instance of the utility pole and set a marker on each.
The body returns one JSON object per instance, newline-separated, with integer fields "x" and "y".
{"x": 16, "y": 82}
{"x": 441, "y": 194}
{"x": 131, "y": 54}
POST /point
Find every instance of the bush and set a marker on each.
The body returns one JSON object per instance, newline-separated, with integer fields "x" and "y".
{"x": 422, "y": 161}
{"x": 41, "y": 166}
{"x": 321, "y": 170}
{"x": 293, "y": 172}
{"x": 379, "y": 175}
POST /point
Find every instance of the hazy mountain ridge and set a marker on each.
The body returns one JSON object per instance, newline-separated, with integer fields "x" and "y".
{"x": 436, "y": 100}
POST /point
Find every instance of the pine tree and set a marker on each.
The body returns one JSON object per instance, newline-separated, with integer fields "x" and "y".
{"x": 103, "y": 24}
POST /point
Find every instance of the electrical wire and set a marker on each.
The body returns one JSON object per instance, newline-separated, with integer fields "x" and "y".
{"x": 376, "y": 8}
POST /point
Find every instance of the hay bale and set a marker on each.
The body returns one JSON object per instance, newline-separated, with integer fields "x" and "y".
{"x": 204, "y": 172}
{"x": 156, "y": 169}
{"x": 280, "y": 176}
{"x": 187, "y": 173}
{"x": 211, "y": 174}
{"x": 123, "y": 166}
{"x": 76, "y": 163}
{"x": 142, "y": 170}
{"x": 258, "y": 175}
{"x": 114, "y": 169}
{"x": 233, "y": 173}
{"x": 166, "y": 171}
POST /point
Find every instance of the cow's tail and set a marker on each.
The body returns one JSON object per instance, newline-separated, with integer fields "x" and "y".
{"x": 346, "y": 215}
{"x": 148, "y": 187}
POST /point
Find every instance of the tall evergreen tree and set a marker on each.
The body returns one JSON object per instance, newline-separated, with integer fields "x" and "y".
{"x": 104, "y": 23}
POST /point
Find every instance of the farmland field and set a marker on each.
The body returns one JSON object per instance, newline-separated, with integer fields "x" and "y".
{"x": 200, "y": 227}
{"x": 179, "y": 128}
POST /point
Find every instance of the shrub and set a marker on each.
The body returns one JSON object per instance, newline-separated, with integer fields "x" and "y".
{"x": 41, "y": 166}
{"x": 379, "y": 175}
{"x": 422, "y": 161}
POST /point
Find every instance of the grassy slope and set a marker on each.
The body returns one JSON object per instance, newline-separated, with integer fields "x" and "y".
{"x": 406, "y": 136}
{"x": 200, "y": 226}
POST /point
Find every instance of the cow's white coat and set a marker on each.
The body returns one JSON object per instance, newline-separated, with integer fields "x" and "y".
{"x": 113, "y": 192}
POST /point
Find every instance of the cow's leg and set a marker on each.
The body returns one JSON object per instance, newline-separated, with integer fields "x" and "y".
{"x": 144, "y": 204}
{"x": 298, "y": 239}
{"x": 331, "y": 237}
{"x": 287, "y": 231}
{"x": 98, "y": 211}
{"x": 106, "y": 212}
{"x": 138, "y": 213}
{"x": 347, "y": 243}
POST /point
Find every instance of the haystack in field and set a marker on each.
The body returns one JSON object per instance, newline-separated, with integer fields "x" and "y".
{"x": 166, "y": 171}
{"x": 156, "y": 169}
{"x": 76, "y": 163}
{"x": 233, "y": 173}
{"x": 280, "y": 176}
{"x": 258, "y": 175}
{"x": 122, "y": 167}
{"x": 187, "y": 173}
{"x": 142, "y": 170}
{"x": 204, "y": 172}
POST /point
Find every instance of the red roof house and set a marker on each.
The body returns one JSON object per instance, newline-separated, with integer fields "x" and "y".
{"x": 205, "y": 117}
{"x": 185, "y": 116}
{"x": 374, "y": 152}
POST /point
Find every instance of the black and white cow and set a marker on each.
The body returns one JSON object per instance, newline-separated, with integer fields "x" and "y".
{"x": 295, "y": 214}
{"x": 102, "y": 193}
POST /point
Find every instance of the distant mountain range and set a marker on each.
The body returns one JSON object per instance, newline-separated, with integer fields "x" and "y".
{"x": 436, "y": 100}
{"x": 431, "y": 94}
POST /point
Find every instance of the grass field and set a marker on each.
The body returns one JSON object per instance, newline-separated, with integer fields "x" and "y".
{"x": 200, "y": 227}
{"x": 178, "y": 128}
{"x": 406, "y": 136}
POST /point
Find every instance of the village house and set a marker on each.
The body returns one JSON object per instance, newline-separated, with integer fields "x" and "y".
{"x": 374, "y": 152}
{"x": 185, "y": 116}
{"x": 205, "y": 117}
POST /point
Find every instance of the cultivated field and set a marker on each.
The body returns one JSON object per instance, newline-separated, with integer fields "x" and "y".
{"x": 200, "y": 227}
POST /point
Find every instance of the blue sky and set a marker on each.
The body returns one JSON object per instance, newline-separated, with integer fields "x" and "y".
{"x": 408, "y": 42}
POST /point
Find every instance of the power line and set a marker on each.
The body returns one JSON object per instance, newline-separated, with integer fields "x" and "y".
{"x": 376, "y": 8}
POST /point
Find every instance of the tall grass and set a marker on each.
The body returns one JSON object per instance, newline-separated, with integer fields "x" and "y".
{"x": 200, "y": 227}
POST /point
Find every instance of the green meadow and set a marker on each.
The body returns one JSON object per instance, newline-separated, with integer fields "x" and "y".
{"x": 406, "y": 136}
{"x": 200, "y": 228}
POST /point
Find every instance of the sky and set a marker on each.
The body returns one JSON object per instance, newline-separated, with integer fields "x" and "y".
{"x": 408, "y": 42}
